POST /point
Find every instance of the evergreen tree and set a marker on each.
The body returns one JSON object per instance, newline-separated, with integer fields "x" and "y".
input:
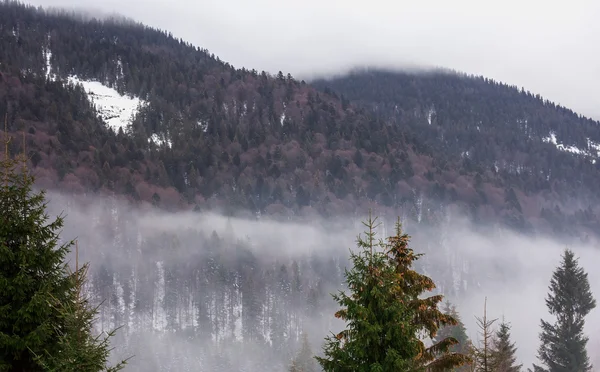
{"x": 563, "y": 344}
{"x": 304, "y": 360}
{"x": 471, "y": 352}
{"x": 385, "y": 313}
{"x": 423, "y": 313}
{"x": 484, "y": 351}
{"x": 32, "y": 277}
{"x": 459, "y": 332}
{"x": 38, "y": 296}
{"x": 503, "y": 351}
{"x": 80, "y": 349}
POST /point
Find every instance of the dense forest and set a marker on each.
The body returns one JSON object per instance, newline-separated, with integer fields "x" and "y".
{"x": 207, "y": 135}
{"x": 490, "y": 128}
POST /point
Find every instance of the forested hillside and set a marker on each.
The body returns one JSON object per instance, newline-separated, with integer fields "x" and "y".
{"x": 545, "y": 153}
{"x": 206, "y": 135}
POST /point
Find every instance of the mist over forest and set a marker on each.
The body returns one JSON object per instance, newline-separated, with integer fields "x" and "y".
{"x": 202, "y": 289}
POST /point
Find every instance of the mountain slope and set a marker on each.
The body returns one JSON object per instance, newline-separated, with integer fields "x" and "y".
{"x": 546, "y": 153}
{"x": 204, "y": 134}
{"x": 251, "y": 140}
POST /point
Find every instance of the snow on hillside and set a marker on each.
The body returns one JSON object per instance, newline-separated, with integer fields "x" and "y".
{"x": 593, "y": 147}
{"x": 160, "y": 140}
{"x": 47, "y": 54}
{"x": 430, "y": 114}
{"x": 552, "y": 139}
{"x": 115, "y": 109}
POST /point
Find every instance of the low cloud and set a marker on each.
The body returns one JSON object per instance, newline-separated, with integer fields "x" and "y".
{"x": 513, "y": 271}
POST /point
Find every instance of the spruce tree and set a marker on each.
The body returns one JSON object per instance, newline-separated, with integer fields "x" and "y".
{"x": 459, "y": 332}
{"x": 304, "y": 360}
{"x": 385, "y": 313}
{"x": 423, "y": 311}
{"x": 37, "y": 293}
{"x": 503, "y": 358}
{"x": 80, "y": 349}
{"x": 563, "y": 344}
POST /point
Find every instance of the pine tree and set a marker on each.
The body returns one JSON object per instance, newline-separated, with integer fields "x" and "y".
{"x": 503, "y": 357}
{"x": 304, "y": 360}
{"x": 563, "y": 344}
{"x": 36, "y": 289}
{"x": 385, "y": 313}
{"x": 459, "y": 332}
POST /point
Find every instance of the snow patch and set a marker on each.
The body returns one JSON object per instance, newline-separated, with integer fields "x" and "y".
{"x": 203, "y": 124}
{"x": 47, "y": 53}
{"x": 430, "y": 113}
{"x": 553, "y": 140}
{"x": 592, "y": 151}
{"x": 595, "y": 146}
{"x": 115, "y": 109}
{"x": 120, "y": 73}
{"x": 282, "y": 119}
{"x": 160, "y": 140}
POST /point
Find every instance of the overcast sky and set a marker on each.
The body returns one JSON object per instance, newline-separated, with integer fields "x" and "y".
{"x": 549, "y": 47}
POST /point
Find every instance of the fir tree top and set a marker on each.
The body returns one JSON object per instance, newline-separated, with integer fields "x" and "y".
{"x": 385, "y": 315}
{"x": 563, "y": 344}
{"x": 504, "y": 351}
{"x": 45, "y": 325}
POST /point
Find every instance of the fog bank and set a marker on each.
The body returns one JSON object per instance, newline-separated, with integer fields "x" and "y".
{"x": 512, "y": 270}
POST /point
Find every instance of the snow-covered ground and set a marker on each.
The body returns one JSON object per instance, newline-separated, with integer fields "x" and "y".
{"x": 115, "y": 109}
{"x": 160, "y": 140}
{"x": 592, "y": 151}
{"x": 430, "y": 114}
{"x": 553, "y": 140}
